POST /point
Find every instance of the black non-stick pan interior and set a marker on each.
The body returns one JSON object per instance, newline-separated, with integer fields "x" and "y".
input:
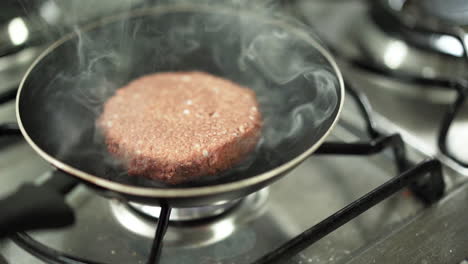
{"x": 297, "y": 88}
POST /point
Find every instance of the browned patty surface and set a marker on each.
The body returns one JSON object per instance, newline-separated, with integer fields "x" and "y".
{"x": 177, "y": 126}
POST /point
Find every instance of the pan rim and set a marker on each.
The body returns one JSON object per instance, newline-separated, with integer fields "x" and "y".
{"x": 155, "y": 192}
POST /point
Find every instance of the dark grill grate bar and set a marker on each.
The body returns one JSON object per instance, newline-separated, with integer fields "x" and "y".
{"x": 163, "y": 223}
{"x": 8, "y": 96}
{"x": 450, "y": 115}
{"x": 9, "y": 129}
{"x": 315, "y": 233}
{"x": 425, "y": 180}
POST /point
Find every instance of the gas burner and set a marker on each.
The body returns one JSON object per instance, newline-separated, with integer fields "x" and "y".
{"x": 191, "y": 227}
{"x": 390, "y": 61}
{"x": 185, "y": 214}
{"x": 385, "y": 55}
{"x": 394, "y": 53}
{"x": 410, "y": 36}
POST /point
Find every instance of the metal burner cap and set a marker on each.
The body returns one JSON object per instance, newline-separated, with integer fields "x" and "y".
{"x": 185, "y": 214}
{"x": 195, "y": 233}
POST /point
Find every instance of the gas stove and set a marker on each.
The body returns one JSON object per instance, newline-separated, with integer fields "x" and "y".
{"x": 348, "y": 203}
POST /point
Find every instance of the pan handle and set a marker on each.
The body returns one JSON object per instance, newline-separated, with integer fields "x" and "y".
{"x": 37, "y": 206}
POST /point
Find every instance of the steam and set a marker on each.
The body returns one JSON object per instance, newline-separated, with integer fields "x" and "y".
{"x": 282, "y": 58}
{"x": 271, "y": 54}
{"x": 294, "y": 83}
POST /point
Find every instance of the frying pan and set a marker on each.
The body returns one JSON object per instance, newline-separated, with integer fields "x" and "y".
{"x": 297, "y": 83}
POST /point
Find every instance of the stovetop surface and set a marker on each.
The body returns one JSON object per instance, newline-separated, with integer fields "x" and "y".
{"x": 399, "y": 230}
{"x": 316, "y": 189}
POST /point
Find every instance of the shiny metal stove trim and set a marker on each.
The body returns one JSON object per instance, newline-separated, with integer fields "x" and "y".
{"x": 191, "y": 234}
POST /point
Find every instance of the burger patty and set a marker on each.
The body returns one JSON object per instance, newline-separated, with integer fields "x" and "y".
{"x": 178, "y": 126}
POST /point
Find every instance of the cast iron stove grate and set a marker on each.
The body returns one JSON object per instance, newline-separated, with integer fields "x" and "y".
{"x": 424, "y": 179}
